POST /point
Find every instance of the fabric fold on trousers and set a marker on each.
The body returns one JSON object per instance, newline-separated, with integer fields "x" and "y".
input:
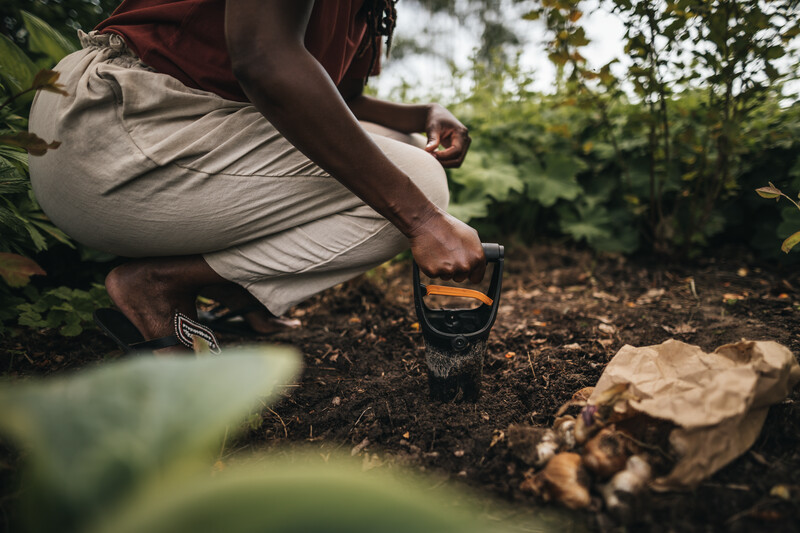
{"x": 149, "y": 167}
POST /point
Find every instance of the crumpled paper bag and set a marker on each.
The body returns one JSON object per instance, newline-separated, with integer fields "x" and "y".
{"x": 718, "y": 400}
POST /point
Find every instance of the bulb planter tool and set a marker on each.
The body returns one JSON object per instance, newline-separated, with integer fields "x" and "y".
{"x": 455, "y": 339}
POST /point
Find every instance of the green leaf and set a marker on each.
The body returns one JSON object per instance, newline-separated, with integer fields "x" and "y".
{"x": 54, "y": 232}
{"x": 790, "y": 242}
{"x": 470, "y": 210}
{"x": 94, "y": 438}
{"x": 14, "y": 156}
{"x": 17, "y": 270}
{"x": 490, "y": 173}
{"x": 16, "y": 70}
{"x": 71, "y": 329}
{"x": 304, "y": 495}
{"x": 532, "y": 15}
{"x": 43, "y": 39}
{"x": 556, "y": 181}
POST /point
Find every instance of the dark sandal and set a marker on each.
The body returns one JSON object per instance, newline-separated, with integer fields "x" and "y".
{"x": 122, "y": 331}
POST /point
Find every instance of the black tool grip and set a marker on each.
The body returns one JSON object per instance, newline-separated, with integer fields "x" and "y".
{"x": 493, "y": 251}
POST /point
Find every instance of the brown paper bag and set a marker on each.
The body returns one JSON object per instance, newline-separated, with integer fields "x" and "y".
{"x": 718, "y": 400}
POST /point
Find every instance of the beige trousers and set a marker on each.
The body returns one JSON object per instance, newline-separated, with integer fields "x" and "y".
{"x": 148, "y": 167}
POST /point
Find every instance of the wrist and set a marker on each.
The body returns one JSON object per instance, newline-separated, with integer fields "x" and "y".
{"x": 413, "y": 222}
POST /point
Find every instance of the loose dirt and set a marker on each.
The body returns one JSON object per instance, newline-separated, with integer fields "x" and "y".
{"x": 564, "y": 314}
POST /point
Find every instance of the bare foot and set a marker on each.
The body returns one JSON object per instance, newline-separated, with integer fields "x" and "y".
{"x": 145, "y": 293}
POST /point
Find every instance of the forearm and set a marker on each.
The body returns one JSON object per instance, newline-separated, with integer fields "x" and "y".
{"x": 406, "y": 118}
{"x": 304, "y": 105}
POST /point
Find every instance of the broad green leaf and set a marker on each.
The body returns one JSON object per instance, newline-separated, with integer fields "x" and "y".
{"x": 470, "y": 210}
{"x": 489, "y": 172}
{"x": 790, "y": 242}
{"x": 71, "y": 329}
{"x": 16, "y": 70}
{"x": 556, "y": 181}
{"x": 43, "y": 39}
{"x": 304, "y": 495}
{"x": 17, "y": 270}
{"x": 94, "y": 438}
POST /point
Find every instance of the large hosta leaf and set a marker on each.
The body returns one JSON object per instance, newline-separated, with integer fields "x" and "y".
{"x": 92, "y": 439}
{"x": 555, "y": 179}
{"x": 490, "y": 173}
{"x": 305, "y": 495}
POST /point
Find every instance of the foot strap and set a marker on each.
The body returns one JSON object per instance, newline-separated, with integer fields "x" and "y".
{"x": 117, "y": 326}
{"x": 186, "y": 329}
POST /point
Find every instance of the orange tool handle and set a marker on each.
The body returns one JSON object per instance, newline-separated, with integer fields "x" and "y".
{"x": 441, "y": 290}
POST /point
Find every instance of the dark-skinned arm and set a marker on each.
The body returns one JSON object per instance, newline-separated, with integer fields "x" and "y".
{"x": 291, "y": 89}
{"x": 441, "y": 126}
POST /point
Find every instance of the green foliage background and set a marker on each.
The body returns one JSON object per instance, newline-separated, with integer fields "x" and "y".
{"x": 25, "y": 229}
{"x": 661, "y": 154}
{"x": 547, "y": 165}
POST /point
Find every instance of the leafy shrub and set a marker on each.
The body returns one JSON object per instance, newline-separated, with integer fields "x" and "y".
{"x": 25, "y": 228}
{"x": 661, "y": 168}
{"x": 130, "y": 447}
{"x": 69, "y": 310}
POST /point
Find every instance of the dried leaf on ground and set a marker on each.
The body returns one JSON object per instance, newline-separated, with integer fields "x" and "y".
{"x": 651, "y": 296}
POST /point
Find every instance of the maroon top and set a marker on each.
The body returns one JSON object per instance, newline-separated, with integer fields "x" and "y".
{"x": 186, "y": 39}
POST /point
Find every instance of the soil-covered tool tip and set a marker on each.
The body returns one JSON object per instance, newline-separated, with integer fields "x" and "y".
{"x": 455, "y": 339}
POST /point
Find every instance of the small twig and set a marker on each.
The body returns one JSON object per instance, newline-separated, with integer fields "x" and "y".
{"x": 531, "y": 364}
{"x": 693, "y": 288}
{"x": 285, "y": 431}
{"x": 359, "y": 418}
{"x": 790, "y": 199}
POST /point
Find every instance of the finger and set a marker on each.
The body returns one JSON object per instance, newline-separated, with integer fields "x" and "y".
{"x": 461, "y": 276}
{"x": 450, "y": 153}
{"x": 477, "y": 273}
{"x": 454, "y": 156}
{"x": 433, "y": 142}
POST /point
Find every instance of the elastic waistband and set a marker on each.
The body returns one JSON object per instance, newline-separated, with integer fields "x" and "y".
{"x": 113, "y": 48}
{"x": 104, "y": 40}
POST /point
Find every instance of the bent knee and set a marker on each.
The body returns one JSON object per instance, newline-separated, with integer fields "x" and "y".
{"x": 423, "y": 169}
{"x": 431, "y": 178}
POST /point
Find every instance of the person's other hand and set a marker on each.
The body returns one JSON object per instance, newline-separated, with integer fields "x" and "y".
{"x": 445, "y": 130}
{"x": 446, "y": 248}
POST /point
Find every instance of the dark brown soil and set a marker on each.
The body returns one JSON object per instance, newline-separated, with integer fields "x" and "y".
{"x": 364, "y": 387}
